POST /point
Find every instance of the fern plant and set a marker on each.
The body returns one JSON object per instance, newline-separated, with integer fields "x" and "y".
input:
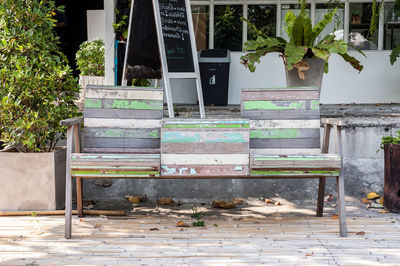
{"x": 301, "y": 44}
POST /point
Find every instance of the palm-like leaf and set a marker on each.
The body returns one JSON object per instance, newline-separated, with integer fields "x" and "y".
{"x": 394, "y": 54}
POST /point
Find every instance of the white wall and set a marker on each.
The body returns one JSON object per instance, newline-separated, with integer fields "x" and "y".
{"x": 95, "y": 24}
{"x": 379, "y": 82}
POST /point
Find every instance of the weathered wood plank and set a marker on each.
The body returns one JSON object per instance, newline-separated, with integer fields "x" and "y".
{"x": 90, "y": 142}
{"x": 151, "y": 133}
{"x": 131, "y": 104}
{"x": 204, "y": 170}
{"x": 201, "y": 148}
{"x": 210, "y": 159}
{"x": 294, "y": 173}
{"x": 260, "y": 124}
{"x": 280, "y": 114}
{"x": 124, "y": 93}
{"x": 204, "y": 123}
{"x": 123, "y": 113}
{"x": 119, "y": 150}
{"x": 285, "y": 133}
{"x": 280, "y": 105}
{"x": 232, "y": 137}
{"x": 251, "y": 95}
{"x": 284, "y": 143}
{"x": 285, "y": 151}
{"x": 122, "y": 123}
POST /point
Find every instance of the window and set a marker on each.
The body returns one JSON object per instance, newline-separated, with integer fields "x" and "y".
{"x": 336, "y": 26}
{"x": 392, "y": 26}
{"x": 201, "y": 26}
{"x": 360, "y": 19}
{"x": 217, "y": 22}
{"x": 228, "y": 27}
{"x": 264, "y": 18}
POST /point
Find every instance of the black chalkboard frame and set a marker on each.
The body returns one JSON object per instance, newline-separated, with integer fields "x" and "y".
{"x": 164, "y": 62}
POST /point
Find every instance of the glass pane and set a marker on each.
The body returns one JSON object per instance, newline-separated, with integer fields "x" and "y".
{"x": 264, "y": 18}
{"x": 392, "y": 26}
{"x": 336, "y": 26}
{"x": 360, "y": 19}
{"x": 228, "y": 27}
{"x": 200, "y": 25}
{"x": 295, "y": 8}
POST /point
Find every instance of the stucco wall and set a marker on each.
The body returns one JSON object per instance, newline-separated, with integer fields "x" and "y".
{"x": 377, "y": 83}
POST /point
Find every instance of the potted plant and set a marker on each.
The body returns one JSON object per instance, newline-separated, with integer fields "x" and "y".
{"x": 391, "y": 147}
{"x": 37, "y": 91}
{"x": 305, "y": 61}
{"x": 90, "y": 62}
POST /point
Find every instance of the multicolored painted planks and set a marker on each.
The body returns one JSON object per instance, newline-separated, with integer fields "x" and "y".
{"x": 125, "y": 119}
{"x": 322, "y": 165}
{"x": 204, "y": 147}
{"x": 115, "y": 165}
{"x": 282, "y": 118}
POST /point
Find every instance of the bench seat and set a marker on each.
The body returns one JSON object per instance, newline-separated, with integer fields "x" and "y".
{"x": 298, "y": 165}
{"x": 111, "y": 165}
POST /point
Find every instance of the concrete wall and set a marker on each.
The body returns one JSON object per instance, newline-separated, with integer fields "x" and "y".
{"x": 363, "y": 169}
{"x": 377, "y": 83}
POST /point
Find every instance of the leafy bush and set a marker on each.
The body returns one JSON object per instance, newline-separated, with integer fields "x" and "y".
{"x": 90, "y": 58}
{"x": 37, "y": 88}
{"x": 301, "y": 43}
{"x": 390, "y": 140}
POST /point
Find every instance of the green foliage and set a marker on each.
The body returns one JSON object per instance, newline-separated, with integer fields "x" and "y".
{"x": 37, "y": 88}
{"x": 390, "y": 140}
{"x": 394, "y": 54}
{"x": 301, "y": 43}
{"x": 90, "y": 58}
{"x": 227, "y": 27}
{"x": 141, "y": 82}
{"x": 196, "y": 214}
{"x": 122, "y": 12}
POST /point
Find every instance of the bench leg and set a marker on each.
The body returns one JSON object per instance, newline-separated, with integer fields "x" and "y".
{"x": 68, "y": 186}
{"x": 79, "y": 199}
{"x": 341, "y": 206}
{"x": 321, "y": 194}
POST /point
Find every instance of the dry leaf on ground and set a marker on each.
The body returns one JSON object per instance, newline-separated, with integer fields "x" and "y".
{"x": 383, "y": 211}
{"x": 329, "y": 197}
{"x": 154, "y": 229}
{"x": 237, "y": 201}
{"x": 167, "y": 201}
{"x": 361, "y": 233}
{"x": 134, "y": 199}
{"x": 88, "y": 207}
{"x": 335, "y": 217}
{"x": 182, "y": 224}
{"x": 364, "y": 200}
{"x": 268, "y": 201}
{"x": 372, "y": 195}
{"x": 223, "y": 204}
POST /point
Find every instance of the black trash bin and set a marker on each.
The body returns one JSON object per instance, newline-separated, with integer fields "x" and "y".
{"x": 214, "y": 73}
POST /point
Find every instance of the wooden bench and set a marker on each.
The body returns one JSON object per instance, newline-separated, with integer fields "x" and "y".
{"x": 285, "y": 139}
{"x": 121, "y": 138}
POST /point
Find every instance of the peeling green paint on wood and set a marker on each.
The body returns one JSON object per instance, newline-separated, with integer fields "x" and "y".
{"x": 274, "y": 105}
{"x": 288, "y": 133}
{"x": 314, "y": 105}
{"x": 123, "y": 104}
{"x": 193, "y": 137}
{"x": 294, "y": 172}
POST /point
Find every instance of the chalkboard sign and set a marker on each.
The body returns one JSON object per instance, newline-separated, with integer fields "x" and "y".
{"x": 176, "y": 35}
{"x": 143, "y": 57}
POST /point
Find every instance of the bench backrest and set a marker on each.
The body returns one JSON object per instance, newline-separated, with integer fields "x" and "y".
{"x": 122, "y": 119}
{"x": 282, "y": 120}
{"x": 204, "y": 147}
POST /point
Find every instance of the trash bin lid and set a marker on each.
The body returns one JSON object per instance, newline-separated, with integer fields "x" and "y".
{"x": 215, "y": 56}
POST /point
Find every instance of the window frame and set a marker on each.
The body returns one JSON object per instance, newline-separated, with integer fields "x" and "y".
{"x": 278, "y": 3}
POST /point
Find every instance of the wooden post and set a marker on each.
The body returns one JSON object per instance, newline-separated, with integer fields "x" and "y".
{"x": 340, "y": 185}
{"x": 391, "y": 199}
{"x": 68, "y": 184}
{"x": 322, "y": 180}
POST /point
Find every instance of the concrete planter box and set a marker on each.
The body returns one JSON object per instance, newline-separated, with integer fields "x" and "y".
{"x": 32, "y": 181}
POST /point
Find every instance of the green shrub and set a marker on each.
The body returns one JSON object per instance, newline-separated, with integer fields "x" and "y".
{"x": 90, "y": 58}
{"x": 37, "y": 88}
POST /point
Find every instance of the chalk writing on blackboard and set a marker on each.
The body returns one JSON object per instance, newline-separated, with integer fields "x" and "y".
{"x": 175, "y": 32}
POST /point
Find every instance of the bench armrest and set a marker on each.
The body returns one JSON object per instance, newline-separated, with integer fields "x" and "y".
{"x": 71, "y": 121}
{"x": 332, "y": 121}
